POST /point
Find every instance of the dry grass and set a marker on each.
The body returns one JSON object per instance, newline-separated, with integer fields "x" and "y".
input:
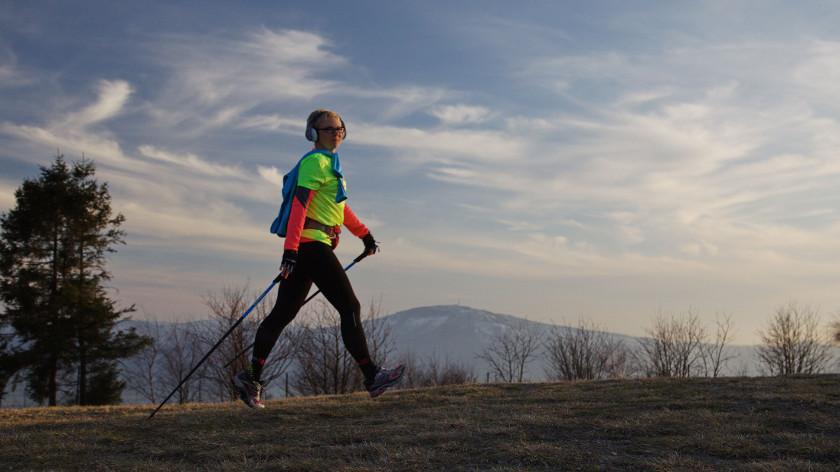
{"x": 741, "y": 424}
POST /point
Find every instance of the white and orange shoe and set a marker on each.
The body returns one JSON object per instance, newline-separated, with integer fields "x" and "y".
{"x": 384, "y": 378}
{"x": 249, "y": 390}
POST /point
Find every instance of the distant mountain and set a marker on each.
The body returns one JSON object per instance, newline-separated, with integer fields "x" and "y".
{"x": 459, "y": 333}
{"x": 454, "y": 333}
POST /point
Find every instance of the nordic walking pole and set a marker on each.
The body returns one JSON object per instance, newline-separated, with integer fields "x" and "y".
{"x": 273, "y": 283}
{"x": 361, "y": 256}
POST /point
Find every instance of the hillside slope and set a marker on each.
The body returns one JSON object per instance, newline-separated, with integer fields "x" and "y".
{"x": 768, "y": 424}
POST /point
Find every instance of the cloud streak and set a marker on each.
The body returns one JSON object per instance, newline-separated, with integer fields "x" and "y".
{"x": 585, "y": 149}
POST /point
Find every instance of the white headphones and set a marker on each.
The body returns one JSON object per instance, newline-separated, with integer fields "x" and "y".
{"x": 312, "y": 133}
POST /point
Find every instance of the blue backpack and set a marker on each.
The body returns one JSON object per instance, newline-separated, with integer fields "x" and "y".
{"x": 280, "y": 223}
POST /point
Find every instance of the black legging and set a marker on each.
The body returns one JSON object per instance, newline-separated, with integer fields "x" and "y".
{"x": 316, "y": 263}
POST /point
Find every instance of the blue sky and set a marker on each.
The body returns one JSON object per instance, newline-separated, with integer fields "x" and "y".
{"x": 547, "y": 160}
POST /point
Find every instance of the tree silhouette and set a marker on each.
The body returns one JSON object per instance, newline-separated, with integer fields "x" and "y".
{"x": 510, "y": 352}
{"x": 792, "y": 342}
{"x": 58, "y": 316}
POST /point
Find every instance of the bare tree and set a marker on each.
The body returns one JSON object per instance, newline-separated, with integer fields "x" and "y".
{"x": 142, "y": 371}
{"x": 324, "y": 365}
{"x": 585, "y": 352}
{"x": 431, "y": 371}
{"x": 717, "y": 355}
{"x": 674, "y": 346}
{"x": 181, "y": 351}
{"x": 378, "y": 334}
{"x": 449, "y": 372}
{"x": 510, "y": 352}
{"x": 161, "y": 365}
{"x": 792, "y": 342}
{"x": 835, "y": 330}
{"x": 226, "y": 308}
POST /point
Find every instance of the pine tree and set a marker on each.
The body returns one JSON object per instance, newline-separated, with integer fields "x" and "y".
{"x": 53, "y": 252}
{"x": 7, "y": 361}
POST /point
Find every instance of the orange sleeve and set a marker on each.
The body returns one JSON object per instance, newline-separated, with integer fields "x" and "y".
{"x": 297, "y": 217}
{"x": 353, "y": 224}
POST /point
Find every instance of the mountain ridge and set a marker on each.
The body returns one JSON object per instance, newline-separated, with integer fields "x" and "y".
{"x": 454, "y": 334}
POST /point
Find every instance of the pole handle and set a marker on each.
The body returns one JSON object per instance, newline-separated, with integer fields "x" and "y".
{"x": 362, "y": 256}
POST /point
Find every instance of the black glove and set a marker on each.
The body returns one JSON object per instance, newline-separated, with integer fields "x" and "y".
{"x": 288, "y": 264}
{"x": 370, "y": 244}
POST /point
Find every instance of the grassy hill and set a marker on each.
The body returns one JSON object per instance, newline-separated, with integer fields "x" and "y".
{"x": 757, "y": 424}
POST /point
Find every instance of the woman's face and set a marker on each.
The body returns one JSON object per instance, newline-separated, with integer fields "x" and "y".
{"x": 330, "y": 133}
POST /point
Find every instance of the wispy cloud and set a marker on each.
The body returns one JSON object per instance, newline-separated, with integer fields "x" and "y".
{"x": 192, "y": 163}
{"x": 462, "y": 114}
{"x": 112, "y": 98}
{"x": 214, "y": 81}
{"x": 596, "y": 145}
{"x": 182, "y": 199}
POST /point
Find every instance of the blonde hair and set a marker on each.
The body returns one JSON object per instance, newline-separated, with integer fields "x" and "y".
{"x": 320, "y": 114}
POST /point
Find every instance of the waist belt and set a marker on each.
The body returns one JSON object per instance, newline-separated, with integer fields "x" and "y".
{"x": 331, "y": 231}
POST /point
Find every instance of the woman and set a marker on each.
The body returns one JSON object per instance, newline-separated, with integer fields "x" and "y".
{"x": 317, "y": 213}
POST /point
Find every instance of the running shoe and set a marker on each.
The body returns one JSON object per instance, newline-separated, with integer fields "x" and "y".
{"x": 249, "y": 390}
{"x": 384, "y": 378}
